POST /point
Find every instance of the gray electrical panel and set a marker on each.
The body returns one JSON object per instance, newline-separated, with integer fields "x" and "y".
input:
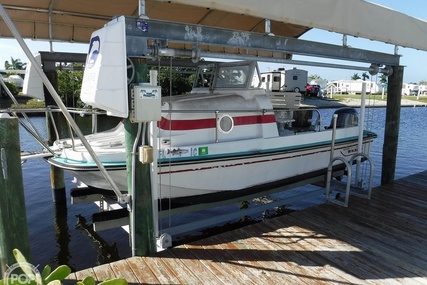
{"x": 145, "y": 103}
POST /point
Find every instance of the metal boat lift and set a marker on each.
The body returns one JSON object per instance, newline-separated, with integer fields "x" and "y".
{"x": 153, "y": 39}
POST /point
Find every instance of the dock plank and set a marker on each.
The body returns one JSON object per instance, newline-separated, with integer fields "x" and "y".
{"x": 142, "y": 272}
{"x": 280, "y": 270}
{"x": 305, "y": 269}
{"x": 208, "y": 259}
{"x": 161, "y": 271}
{"x": 251, "y": 258}
{"x": 374, "y": 253}
{"x": 239, "y": 261}
{"x": 80, "y": 275}
{"x": 103, "y": 272}
{"x": 185, "y": 264}
{"x": 377, "y": 241}
{"x": 122, "y": 270}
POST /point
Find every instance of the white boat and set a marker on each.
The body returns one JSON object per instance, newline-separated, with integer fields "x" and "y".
{"x": 226, "y": 136}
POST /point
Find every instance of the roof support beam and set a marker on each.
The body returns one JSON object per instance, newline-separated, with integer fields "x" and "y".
{"x": 197, "y": 35}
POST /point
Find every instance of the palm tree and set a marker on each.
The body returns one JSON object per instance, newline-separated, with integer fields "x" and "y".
{"x": 365, "y": 76}
{"x": 15, "y": 64}
{"x": 355, "y": 76}
{"x": 314, "y": 77}
{"x": 383, "y": 78}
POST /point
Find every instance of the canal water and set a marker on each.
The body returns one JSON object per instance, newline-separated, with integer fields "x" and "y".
{"x": 58, "y": 238}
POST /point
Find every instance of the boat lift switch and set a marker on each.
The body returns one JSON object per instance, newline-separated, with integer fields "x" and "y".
{"x": 146, "y": 155}
{"x": 145, "y": 103}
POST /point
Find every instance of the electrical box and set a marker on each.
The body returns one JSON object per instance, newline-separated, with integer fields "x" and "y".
{"x": 146, "y": 155}
{"x": 145, "y": 103}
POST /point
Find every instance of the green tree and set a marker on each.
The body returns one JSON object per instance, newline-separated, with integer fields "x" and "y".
{"x": 365, "y": 76}
{"x": 422, "y": 82}
{"x": 14, "y": 64}
{"x": 12, "y": 88}
{"x": 314, "y": 77}
{"x": 70, "y": 77}
{"x": 175, "y": 80}
{"x": 383, "y": 78}
{"x": 355, "y": 76}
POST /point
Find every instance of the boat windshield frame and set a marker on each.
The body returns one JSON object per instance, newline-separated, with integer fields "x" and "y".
{"x": 225, "y": 75}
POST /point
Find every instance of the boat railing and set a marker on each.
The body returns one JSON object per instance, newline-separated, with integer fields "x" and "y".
{"x": 79, "y": 111}
{"x": 49, "y": 111}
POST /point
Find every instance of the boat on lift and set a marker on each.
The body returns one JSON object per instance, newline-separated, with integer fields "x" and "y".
{"x": 224, "y": 138}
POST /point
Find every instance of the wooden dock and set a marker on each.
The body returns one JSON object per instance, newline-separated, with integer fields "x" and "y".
{"x": 377, "y": 241}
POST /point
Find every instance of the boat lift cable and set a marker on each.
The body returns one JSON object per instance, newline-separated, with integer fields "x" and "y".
{"x": 123, "y": 198}
{"x": 33, "y": 130}
{"x": 170, "y": 138}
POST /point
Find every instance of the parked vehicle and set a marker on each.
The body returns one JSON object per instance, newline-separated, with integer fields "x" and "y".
{"x": 409, "y": 89}
{"x": 312, "y": 90}
{"x": 352, "y": 87}
{"x": 293, "y": 80}
{"x": 422, "y": 89}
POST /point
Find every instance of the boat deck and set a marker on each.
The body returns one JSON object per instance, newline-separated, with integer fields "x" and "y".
{"x": 377, "y": 241}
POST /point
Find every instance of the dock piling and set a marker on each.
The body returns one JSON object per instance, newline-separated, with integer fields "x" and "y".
{"x": 392, "y": 122}
{"x": 13, "y": 218}
{"x": 141, "y": 218}
{"x": 57, "y": 181}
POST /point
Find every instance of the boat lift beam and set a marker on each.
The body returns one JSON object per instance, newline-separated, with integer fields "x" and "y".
{"x": 211, "y": 38}
{"x": 196, "y": 55}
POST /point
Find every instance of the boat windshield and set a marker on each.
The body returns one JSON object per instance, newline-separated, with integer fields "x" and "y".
{"x": 232, "y": 76}
{"x": 205, "y": 76}
{"x": 224, "y": 75}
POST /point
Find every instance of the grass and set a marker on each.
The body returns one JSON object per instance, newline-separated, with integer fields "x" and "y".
{"x": 30, "y": 104}
{"x": 378, "y": 97}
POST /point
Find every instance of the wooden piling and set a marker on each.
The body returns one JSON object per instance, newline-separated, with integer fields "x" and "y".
{"x": 57, "y": 181}
{"x": 142, "y": 216}
{"x": 391, "y": 132}
{"x": 13, "y": 218}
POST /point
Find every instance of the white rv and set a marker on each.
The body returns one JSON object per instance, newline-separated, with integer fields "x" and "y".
{"x": 352, "y": 87}
{"x": 409, "y": 89}
{"x": 422, "y": 89}
{"x": 280, "y": 80}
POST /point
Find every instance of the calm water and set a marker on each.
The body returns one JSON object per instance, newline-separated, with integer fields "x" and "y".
{"x": 56, "y": 237}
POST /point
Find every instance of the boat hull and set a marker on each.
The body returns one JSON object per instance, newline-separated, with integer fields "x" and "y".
{"x": 208, "y": 176}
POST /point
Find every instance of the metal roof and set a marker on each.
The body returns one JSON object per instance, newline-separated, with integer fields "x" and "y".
{"x": 350, "y": 17}
{"x": 74, "y": 21}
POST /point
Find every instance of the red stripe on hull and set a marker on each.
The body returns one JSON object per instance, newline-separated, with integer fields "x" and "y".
{"x": 186, "y": 125}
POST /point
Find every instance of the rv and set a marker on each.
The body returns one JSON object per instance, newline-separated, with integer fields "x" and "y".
{"x": 422, "y": 89}
{"x": 352, "y": 87}
{"x": 409, "y": 89}
{"x": 321, "y": 82}
{"x": 280, "y": 80}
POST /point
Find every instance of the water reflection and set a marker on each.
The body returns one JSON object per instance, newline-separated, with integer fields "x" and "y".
{"x": 62, "y": 236}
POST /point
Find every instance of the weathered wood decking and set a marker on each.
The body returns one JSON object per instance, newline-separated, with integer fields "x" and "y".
{"x": 380, "y": 241}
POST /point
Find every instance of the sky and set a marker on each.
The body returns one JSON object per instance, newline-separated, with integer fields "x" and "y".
{"x": 413, "y": 60}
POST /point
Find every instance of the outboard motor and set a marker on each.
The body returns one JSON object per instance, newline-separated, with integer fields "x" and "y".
{"x": 347, "y": 117}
